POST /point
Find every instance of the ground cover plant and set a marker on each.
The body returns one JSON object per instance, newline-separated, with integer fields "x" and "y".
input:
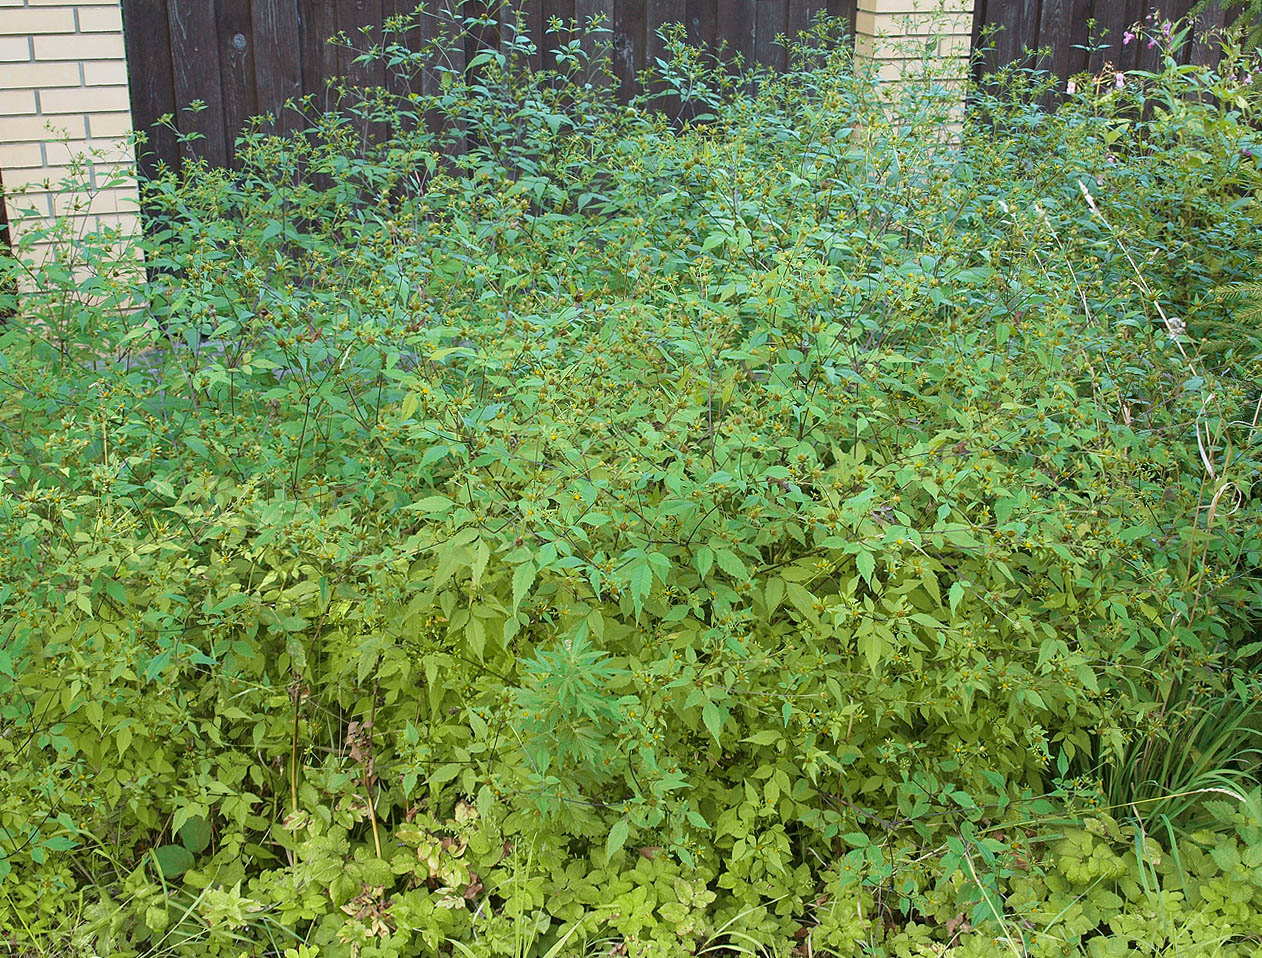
{"x": 754, "y": 520}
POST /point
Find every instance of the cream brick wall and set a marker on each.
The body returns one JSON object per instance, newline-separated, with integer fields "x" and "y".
{"x": 892, "y": 36}
{"x": 64, "y": 107}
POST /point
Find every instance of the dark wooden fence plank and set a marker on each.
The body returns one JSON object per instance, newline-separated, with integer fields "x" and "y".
{"x": 148, "y": 41}
{"x": 352, "y": 17}
{"x": 628, "y": 43}
{"x": 703, "y": 28}
{"x": 844, "y": 10}
{"x": 1055, "y": 32}
{"x": 736, "y": 26}
{"x": 800, "y": 15}
{"x": 1076, "y": 37}
{"x": 194, "y": 47}
{"x": 595, "y": 16}
{"x": 1212, "y": 19}
{"x": 277, "y": 41}
{"x": 235, "y": 42}
{"x": 1062, "y": 25}
{"x": 318, "y": 19}
{"x": 658, "y": 14}
{"x": 1112, "y": 20}
{"x": 1021, "y": 30}
{"x": 771, "y": 20}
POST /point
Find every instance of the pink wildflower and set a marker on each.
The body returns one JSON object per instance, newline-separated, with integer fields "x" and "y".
{"x": 1127, "y": 37}
{"x": 1119, "y": 80}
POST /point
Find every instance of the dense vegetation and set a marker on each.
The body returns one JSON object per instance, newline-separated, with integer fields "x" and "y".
{"x": 755, "y": 520}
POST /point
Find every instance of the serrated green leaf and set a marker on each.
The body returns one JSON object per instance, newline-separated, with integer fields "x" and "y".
{"x": 617, "y": 837}
{"x": 714, "y": 716}
{"x": 865, "y": 562}
{"x": 523, "y": 580}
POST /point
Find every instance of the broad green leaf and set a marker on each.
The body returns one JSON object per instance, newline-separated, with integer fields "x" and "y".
{"x": 714, "y": 716}
{"x": 617, "y": 837}
{"x": 523, "y": 580}
{"x": 195, "y": 834}
{"x": 174, "y": 860}
{"x": 866, "y": 563}
{"x": 732, "y": 564}
{"x": 774, "y": 593}
{"x": 641, "y": 582}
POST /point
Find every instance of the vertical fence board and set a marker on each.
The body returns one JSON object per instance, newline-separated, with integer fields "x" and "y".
{"x": 660, "y": 13}
{"x": 236, "y": 69}
{"x": 736, "y": 26}
{"x": 277, "y": 45}
{"x": 628, "y": 43}
{"x": 1211, "y": 19}
{"x": 286, "y": 53}
{"x": 1054, "y": 32}
{"x": 319, "y": 57}
{"x": 598, "y": 14}
{"x": 1076, "y": 37}
{"x": 1062, "y": 25}
{"x": 702, "y": 22}
{"x": 801, "y": 14}
{"x": 771, "y": 19}
{"x": 194, "y": 48}
{"x": 1021, "y": 30}
{"x": 148, "y": 43}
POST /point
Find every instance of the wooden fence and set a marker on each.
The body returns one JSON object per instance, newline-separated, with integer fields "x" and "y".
{"x": 1085, "y": 35}
{"x": 245, "y": 57}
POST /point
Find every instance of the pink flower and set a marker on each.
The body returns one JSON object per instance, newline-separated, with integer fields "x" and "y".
{"x": 1127, "y": 37}
{"x": 1119, "y": 80}
{"x": 1071, "y": 87}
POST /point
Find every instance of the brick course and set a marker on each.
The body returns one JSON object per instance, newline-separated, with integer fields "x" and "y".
{"x": 891, "y": 35}
{"x": 62, "y": 64}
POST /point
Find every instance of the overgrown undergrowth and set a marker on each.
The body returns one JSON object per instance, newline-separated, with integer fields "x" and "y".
{"x": 577, "y": 531}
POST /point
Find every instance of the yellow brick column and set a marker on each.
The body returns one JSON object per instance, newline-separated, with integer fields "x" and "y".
{"x": 905, "y": 39}
{"x": 63, "y": 93}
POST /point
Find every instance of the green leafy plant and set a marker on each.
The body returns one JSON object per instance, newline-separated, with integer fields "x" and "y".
{"x": 559, "y": 523}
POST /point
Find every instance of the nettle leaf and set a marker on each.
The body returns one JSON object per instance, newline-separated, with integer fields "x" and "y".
{"x": 523, "y": 580}
{"x": 430, "y": 505}
{"x": 714, "y": 716}
{"x": 641, "y": 582}
{"x": 703, "y": 561}
{"x": 865, "y": 562}
{"x": 774, "y": 593}
{"x": 732, "y": 564}
{"x": 617, "y": 837}
{"x": 873, "y": 642}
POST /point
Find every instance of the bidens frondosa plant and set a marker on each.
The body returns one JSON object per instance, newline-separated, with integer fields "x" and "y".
{"x": 565, "y": 527}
